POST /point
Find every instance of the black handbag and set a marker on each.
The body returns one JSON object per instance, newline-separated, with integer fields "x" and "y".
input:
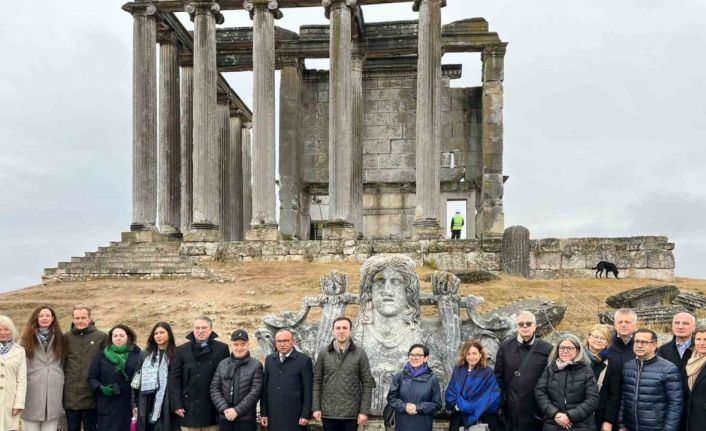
{"x": 388, "y": 416}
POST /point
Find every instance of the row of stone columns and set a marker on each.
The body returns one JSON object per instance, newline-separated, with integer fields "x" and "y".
{"x": 196, "y": 151}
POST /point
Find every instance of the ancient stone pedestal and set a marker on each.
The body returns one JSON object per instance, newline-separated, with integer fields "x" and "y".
{"x": 515, "y": 259}
{"x": 263, "y": 13}
{"x": 144, "y": 117}
{"x": 169, "y": 191}
{"x": 339, "y": 230}
{"x": 428, "y": 143}
{"x": 206, "y": 199}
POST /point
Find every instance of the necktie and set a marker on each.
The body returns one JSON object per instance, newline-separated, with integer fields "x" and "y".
{"x": 282, "y": 358}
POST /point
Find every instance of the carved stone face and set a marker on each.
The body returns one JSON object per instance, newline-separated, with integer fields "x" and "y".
{"x": 389, "y": 295}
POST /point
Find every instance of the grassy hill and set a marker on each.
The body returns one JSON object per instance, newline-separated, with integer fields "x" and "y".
{"x": 241, "y": 294}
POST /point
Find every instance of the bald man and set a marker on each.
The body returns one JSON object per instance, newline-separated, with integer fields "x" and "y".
{"x": 678, "y": 351}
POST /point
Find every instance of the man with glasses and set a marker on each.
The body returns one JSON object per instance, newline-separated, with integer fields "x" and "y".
{"x": 343, "y": 383}
{"x": 621, "y": 349}
{"x": 285, "y": 403}
{"x": 652, "y": 395}
{"x": 189, "y": 382}
{"x": 519, "y": 364}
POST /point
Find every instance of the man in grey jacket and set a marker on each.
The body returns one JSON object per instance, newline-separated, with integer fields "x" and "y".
{"x": 343, "y": 383}
{"x": 236, "y": 386}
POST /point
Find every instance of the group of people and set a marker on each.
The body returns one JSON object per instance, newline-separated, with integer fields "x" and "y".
{"x": 615, "y": 380}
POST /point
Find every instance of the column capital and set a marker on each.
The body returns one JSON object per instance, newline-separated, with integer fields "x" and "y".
{"x": 494, "y": 51}
{"x": 140, "y": 9}
{"x": 236, "y": 112}
{"x": 270, "y": 5}
{"x": 204, "y": 7}
{"x": 418, "y": 3}
{"x": 166, "y": 37}
{"x": 289, "y": 61}
{"x": 247, "y": 126}
{"x": 223, "y": 99}
{"x": 330, "y": 5}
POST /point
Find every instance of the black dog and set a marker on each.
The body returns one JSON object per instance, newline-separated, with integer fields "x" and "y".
{"x": 608, "y": 267}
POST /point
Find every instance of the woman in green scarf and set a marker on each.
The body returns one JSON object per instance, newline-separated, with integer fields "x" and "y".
{"x": 110, "y": 375}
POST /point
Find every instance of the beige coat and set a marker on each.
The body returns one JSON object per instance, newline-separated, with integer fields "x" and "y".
{"x": 13, "y": 386}
{"x": 45, "y": 385}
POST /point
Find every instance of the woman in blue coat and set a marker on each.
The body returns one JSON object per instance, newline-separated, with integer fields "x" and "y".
{"x": 414, "y": 392}
{"x": 109, "y": 377}
{"x": 473, "y": 394}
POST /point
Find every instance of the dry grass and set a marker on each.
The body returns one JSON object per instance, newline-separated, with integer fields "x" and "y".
{"x": 251, "y": 290}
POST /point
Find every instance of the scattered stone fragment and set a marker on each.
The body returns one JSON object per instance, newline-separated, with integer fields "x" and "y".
{"x": 643, "y": 296}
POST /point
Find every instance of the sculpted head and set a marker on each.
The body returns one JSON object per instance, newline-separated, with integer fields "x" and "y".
{"x": 389, "y": 286}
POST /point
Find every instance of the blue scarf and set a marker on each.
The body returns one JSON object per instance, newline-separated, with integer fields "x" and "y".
{"x": 475, "y": 393}
{"x": 416, "y": 372}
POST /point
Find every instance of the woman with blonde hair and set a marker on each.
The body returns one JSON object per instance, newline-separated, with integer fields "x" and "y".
{"x": 696, "y": 383}
{"x": 13, "y": 378}
{"x": 44, "y": 346}
{"x": 609, "y": 376}
{"x": 473, "y": 394}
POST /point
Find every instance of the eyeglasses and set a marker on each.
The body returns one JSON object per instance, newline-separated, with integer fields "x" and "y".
{"x": 597, "y": 338}
{"x": 567, "y": 348}
{"x": 644, "y": 342}
{"x": 525, "y": 324}
{"x": 416, "y": 355}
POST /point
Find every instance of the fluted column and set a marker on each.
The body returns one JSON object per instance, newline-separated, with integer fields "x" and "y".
{"x": 247, "y": 176}
{"x": 492, "y": 216}
{"x": 187, "y": 145}
{"x": 289, "y": 125}
{"x": 206, "y": 199}
{"x": 357, "y": 141}
{"x": 234, "y": 179}
{"x": 428, "y": 133}
{"x": 263, "y": 225}
{"x": 169, "y": 163}
{"x": 144, "y": 116}
{"x": 223, "y": 144}
{"x": 340, "y": 108}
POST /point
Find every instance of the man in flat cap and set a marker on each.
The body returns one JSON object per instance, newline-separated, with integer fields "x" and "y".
{"x": 236, "y": 386}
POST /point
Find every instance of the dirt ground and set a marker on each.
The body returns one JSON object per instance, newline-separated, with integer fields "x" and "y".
{"x": 241, "y": 294}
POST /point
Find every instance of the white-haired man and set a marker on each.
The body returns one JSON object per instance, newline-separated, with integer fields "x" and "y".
{"x": 519, "y": 364}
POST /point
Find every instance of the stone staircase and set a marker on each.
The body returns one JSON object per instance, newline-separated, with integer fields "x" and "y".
{"x": 138, "y": 254}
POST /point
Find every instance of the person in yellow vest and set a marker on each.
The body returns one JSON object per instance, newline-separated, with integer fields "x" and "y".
{"x": 456, "y": 225}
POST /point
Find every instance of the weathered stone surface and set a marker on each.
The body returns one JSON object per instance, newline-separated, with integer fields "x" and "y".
{"x": 690, "y": 300}
{"x": 651, "y": 295}
{"x": 385, "y": 329}
{"x": 516, "y": 251}
{"x": 470, "y": 277}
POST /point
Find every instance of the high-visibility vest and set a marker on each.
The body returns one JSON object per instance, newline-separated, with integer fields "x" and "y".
{"x": 457, "y": 222}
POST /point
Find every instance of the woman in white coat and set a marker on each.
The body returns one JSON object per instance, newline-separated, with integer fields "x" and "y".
{"x": 13, "y": 376}
{"x": 44, "y": 346}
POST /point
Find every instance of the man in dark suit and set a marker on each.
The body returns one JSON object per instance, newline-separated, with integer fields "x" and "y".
{"x": 678, "y": 351}
{"x": 189, "y": 381}
{"x": 285, "y": 404}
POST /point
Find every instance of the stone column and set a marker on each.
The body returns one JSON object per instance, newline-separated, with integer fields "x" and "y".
{"x": 247, "y": 176}
{"x": 263, "y": 225}
{"x": 224, "y": 219}
{"x": 187, "y": 145}
{"x": 357, "y": 141}
{"x": 234, "y": 179}
{"x": 169, "y": 190}
{"x": 428, "y": 143}
{"x": 144, "y": 116}
{"x": 206, "y": 198}
{"x": 491, "y": 215}
{"x": 340, "y": 109}
{"x": 289, "y": 126}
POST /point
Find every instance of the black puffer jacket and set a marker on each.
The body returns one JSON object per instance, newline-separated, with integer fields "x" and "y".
{"x": 652, "y": 397}
{"x": 609, "y": 391}
{"x": 237, "y": 383}
{"x": 572, "y": 391}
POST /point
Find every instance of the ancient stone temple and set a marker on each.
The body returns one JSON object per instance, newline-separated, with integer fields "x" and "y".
{"x": 381, "y": 136}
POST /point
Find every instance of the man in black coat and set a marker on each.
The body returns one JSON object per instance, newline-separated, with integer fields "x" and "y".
{"x": 195, "y": 362}
{"x": 621, "y": 349}
{"x": 519, "y": 364}
{"x": 285, "y": 404}
{"x": 678, "y": 351}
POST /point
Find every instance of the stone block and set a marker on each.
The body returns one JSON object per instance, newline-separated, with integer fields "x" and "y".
{"x": 397, "y": 161}
{"x": 389, "y": 175}
{"x": 381, "y": 106}
{"x": 377, "y": 118}
{"x": 402, "y": 146}
{"x": 370, "y": 161}
{"x": 408, "y": 83}
{"x": 370, "y": 83}
{"x": 383, "y": 94}
{"x": 383, "y": 132}
{"x": 322, "y": 96}
{"x": 660, "y": 259}
{"x": 390, "y": 83}
{"x": 376, "y": 146}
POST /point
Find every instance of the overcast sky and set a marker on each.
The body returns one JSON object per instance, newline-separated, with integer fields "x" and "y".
{"x": 605, "y": 121}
